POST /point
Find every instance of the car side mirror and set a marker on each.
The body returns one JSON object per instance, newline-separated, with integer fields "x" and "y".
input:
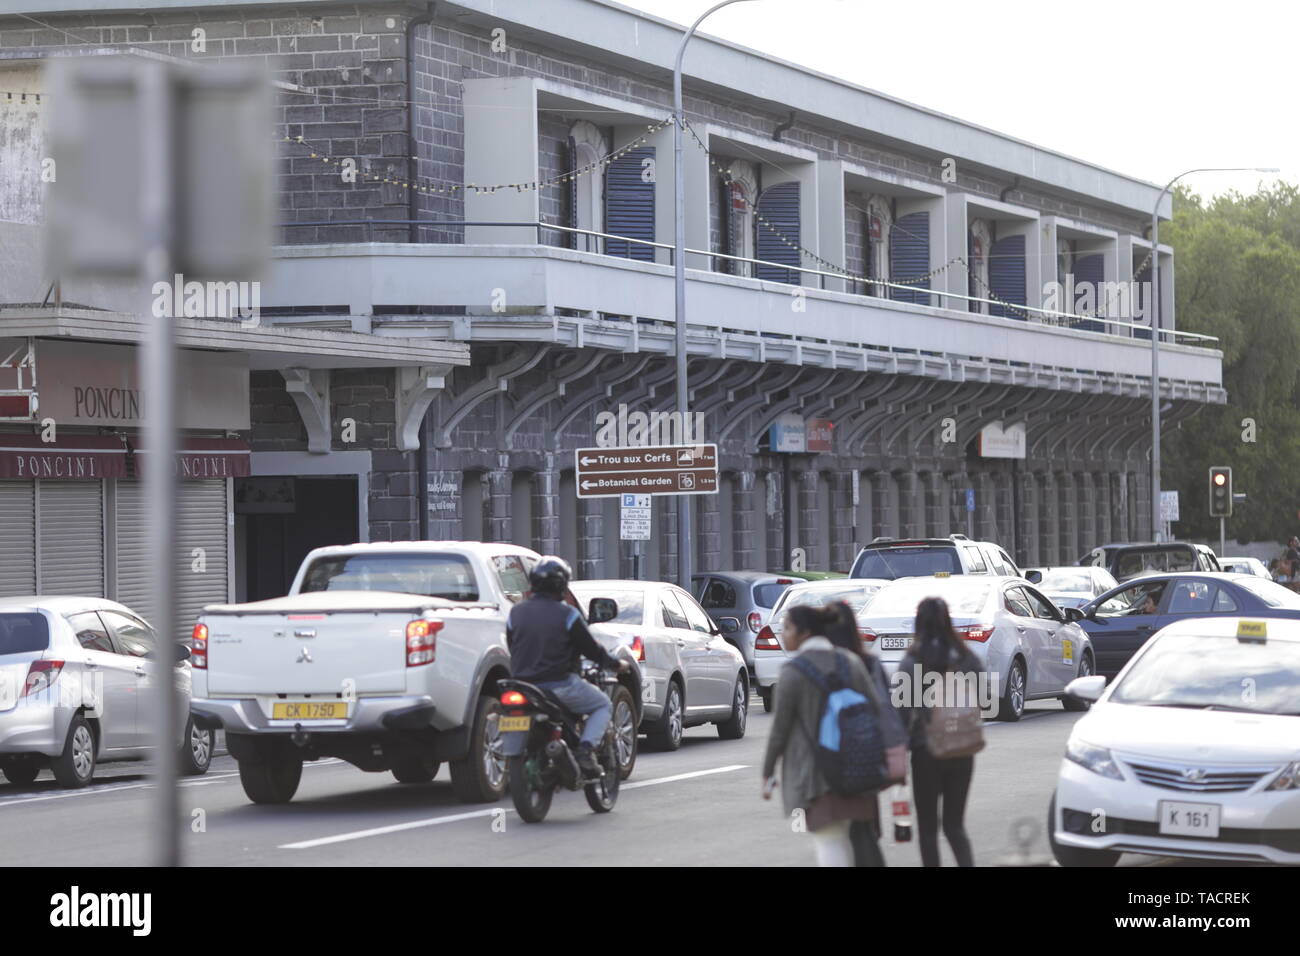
{"x": 1072, "y": 614}
{"x": 1086, "y": 688}
{"x": 182, "y": 653}
{"x": 728, "y": 625}
{"x": 1034, "y": 577}
{"x": 601, "y": 610}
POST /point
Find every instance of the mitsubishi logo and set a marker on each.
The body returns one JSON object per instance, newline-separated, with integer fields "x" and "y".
{"x": 1194, "y": 774}
{"x": 304, "y": 656}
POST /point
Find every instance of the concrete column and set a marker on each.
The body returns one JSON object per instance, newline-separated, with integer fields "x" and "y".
{"x": 1066, "y": 503}
{"x": 911, "y": 505}
{"x": 811, "y": 526}
{"x": 744, "y": 545}
{"x": 546, "y": 508}
{"x": 842, "y": 549}
{"x": 497, "y": 521}
{"x": 668, "y": 538}
{"x": 1027, "y": 532}
{"x": 708, "y": 527}
{"x": 591, "y": 540}
{"x": 1049, "y": 529}
{"x": 1102, "y": 510}
{"x": 884, "y": 505}
{"x": 1086, "y": 498}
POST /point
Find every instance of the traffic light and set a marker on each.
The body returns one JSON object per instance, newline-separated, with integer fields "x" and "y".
{"x": 1220, "y": 492}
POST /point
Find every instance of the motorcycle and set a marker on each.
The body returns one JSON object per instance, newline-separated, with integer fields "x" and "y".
{"x": 549, "y": 760}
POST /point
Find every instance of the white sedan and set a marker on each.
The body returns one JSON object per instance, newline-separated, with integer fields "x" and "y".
{"x": 770, "y": 655}
{"x": 1192, "y": 751}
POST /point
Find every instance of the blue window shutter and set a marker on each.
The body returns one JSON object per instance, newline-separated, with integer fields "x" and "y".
{"x": 779, "y": 206}
{"x": 1091, "y": 271}
{"x": 630, "y": 205}
{"x": 909, "y": 256}
{"x": 1007, "y": 276}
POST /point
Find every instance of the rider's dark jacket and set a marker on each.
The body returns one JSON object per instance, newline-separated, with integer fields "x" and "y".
{"x": 546, "y": 636}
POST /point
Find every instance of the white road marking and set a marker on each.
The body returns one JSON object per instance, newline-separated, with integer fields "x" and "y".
{"x": 477, "y": 814}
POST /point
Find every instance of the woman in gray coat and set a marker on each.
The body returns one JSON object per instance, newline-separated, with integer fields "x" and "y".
{"x": 828, "y": 816}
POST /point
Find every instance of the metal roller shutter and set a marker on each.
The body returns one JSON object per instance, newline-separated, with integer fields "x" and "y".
{"x": 1007, "y": 276}
{"x": 1091, "y": 271}
{"x": 630, "y": 205}
{"x": 777, "y": 238}
{"x": 201, "y": 522}
{"x": 909, "y": 256}
{"x": 71, "y": 531}
{"x": 18, "y": 541}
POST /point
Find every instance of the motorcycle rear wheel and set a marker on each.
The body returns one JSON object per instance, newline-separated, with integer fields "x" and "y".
{"x": 603, "y": 793}
{"x": 532, "y": 801}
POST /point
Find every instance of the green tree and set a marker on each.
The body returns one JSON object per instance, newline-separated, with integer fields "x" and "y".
{"x": 1238, "y": 278}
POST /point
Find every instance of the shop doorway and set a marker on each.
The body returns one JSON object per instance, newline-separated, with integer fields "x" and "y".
{"x": 280, "y": 519}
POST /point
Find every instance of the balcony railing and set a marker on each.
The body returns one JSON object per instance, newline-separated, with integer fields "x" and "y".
{"x": 945, "y": 299}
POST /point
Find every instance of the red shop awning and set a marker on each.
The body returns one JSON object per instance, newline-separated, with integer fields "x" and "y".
{"x": 206, "y": 458}
{"x": 72, "y": 457}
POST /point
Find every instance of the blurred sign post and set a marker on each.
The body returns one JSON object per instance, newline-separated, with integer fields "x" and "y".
{"x": 164, "y": 176}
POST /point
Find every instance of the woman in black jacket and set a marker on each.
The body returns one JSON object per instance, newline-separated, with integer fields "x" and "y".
{"x": 936, "y": 649}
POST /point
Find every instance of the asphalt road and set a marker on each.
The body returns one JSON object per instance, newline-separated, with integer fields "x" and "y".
{"x": 699, "y": 806}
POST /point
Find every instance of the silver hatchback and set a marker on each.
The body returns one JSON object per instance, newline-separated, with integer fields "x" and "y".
{"x": 75, "y": 675}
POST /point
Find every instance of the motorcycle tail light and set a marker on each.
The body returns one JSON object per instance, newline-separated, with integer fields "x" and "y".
{"x": 974, "y": 632}
{"x": 40, "y": 675}
{"x": 513, "y": 698}
{"x": 422, "y": 641}
{"x": 199, "y": 646}
{"x": 766, "y": 640}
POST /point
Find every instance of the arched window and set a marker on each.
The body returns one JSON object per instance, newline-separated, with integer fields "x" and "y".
{"x": 587, "y": 146}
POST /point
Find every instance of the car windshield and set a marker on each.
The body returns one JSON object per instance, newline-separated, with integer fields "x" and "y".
{"x": 631, "y": 604}
{"x": 23, "y": 632}
{"x": 766, "y": 595}
{"x": 1066, "y": 579}
{"x": 447, "y": 576}
{"x": 963, "y": 600}
{"x": 891, "y": 563}
{"x": 1132, "y": 563}
{"x": 1215, "y": 673}
{"x": 1271, "y": 593}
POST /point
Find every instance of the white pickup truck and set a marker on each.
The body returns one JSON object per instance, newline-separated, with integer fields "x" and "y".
{"x": 386, "y": 655}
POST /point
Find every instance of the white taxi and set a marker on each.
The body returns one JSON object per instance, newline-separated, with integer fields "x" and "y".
{"x": 1192, "y": 751}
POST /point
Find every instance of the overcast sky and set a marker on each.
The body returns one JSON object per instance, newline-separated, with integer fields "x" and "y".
{"x": 1076, "y": 78}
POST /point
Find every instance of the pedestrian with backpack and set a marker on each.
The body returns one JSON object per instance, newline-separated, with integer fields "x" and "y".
{"x": 842, "y": 630}
{"x": 829, "y": 732}
{"x": 944, "y": 736}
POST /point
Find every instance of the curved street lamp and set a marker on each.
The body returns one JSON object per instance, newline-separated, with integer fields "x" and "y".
{"x": 1157, "y": 526}
{"x": 684, "y": 545}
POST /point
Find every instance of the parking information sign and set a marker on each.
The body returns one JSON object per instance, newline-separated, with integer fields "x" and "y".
{"x": 660, "y": 470}
{"x": 1169, "y": 506}
{"x": 634, "y": 518}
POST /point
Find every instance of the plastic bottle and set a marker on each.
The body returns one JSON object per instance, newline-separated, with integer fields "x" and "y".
{"x": 900, "y": 800}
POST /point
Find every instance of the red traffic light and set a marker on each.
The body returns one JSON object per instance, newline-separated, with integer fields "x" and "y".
{"x": 1220, "y": 478}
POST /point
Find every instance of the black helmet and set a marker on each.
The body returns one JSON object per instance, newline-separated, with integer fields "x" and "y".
{"x": 550, "y": 575}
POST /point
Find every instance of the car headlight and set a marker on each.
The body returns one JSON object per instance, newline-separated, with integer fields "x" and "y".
{"x": 1096, "y": 759}
{"x": 1288, "y": 779}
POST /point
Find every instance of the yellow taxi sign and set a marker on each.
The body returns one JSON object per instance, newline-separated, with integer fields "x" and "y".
{"x": 943, "y": 574}
{"x": 1256, "y": 631}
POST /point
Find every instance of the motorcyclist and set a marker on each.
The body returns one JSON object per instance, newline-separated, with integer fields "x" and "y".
{"x": 546, "y": 636}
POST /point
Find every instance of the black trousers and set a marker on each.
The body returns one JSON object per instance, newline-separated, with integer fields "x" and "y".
{"x": 865, "y": 836}
{"x": 945, "y": 782}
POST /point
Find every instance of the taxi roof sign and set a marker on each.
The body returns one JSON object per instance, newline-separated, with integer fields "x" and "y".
{"x": 943, "y": 574}
{"x": 1252, "y": 632}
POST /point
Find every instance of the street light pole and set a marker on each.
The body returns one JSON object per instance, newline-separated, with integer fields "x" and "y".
{"x": 1157, "y": 526}
{"x": 679, "y": 289}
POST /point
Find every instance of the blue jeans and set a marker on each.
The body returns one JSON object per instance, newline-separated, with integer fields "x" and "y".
{"x": 578, "y": 697}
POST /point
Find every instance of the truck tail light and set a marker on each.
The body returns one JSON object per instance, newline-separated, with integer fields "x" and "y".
{"x": 974, "y": 632}
{"x": 638, "y": 648}
{"x": 766, "y": 640}
{"x": 40, "y": 675}
{"x": 755, "y": 621}
{"x": 422, "y": 641}
{"x": 199, "y": 647}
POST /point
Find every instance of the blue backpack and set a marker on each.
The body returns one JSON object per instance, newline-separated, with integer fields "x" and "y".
{"x": 850, "y": 744}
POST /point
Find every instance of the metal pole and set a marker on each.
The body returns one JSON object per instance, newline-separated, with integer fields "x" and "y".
{"x": 158, "y": 366}
{"x": 679, "y": 286}
{"x": 1223, "y": 538}
{"x": 1156, "y": 524}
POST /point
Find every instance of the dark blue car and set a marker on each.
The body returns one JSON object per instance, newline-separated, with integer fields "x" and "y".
{"x": 1121, "y": 620}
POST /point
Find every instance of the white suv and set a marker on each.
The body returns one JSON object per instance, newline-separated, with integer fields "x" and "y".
{"x": 892, "y": 558}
